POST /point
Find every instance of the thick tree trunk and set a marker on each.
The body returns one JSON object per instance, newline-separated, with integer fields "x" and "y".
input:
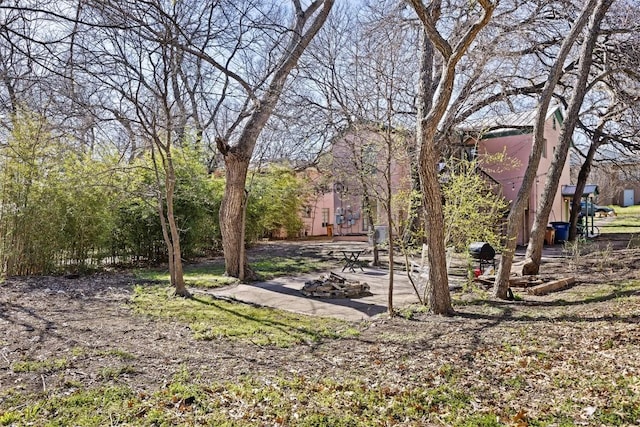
{"x": 237, "y": 157}
{"x": 437, "y": 293}
{"x": 536, "y": 240}
{"x": 232, "y": 215}
{"x": 515, "y": 219}
{"x": 429, "y": 115}
{"x": 438, "y": 296}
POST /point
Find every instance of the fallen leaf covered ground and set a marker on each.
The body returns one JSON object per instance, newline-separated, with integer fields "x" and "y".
{"x": 567, "y": 358}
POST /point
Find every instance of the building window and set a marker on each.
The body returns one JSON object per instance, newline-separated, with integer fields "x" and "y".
{"x": 471, "y": 153}
{"x": 544, "y": 148}
{"x": 325, "y": 216}
{"x": 307, "y": 211}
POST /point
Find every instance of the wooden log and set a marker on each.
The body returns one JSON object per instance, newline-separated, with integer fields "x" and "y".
{"x": 516, "y": 282}
{"x": 554, "y": 285}
{"x": 521, "y": 281}
{"x": 336, "y": 277}
{"x": 524, "y": 281}
{"x": 486, "y": 280}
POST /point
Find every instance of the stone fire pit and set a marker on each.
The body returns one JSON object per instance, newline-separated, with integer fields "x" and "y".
{"x": 335, "y": 286}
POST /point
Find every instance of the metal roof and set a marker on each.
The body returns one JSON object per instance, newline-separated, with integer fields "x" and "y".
{"x": 589, "y": 189}
{"x": 513, "y": 121}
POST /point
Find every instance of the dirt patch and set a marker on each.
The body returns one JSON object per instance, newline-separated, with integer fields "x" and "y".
{"x": 89, "y": 325}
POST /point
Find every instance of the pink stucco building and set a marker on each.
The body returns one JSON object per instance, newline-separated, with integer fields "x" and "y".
{"x": 337, "y": 206}
{"x": 357, "y": 168}
{"x": 513, "y": 135}
{"x": 320, "y": 206}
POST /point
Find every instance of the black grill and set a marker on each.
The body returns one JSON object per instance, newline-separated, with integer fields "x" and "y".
{"x": 484, "y": 253}
{"x": 482, "y": 250}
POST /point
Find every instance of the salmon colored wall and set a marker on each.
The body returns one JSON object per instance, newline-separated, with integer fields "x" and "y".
{"x": 343, "y": 153}
{"x": 313, "y": 225}
{"x": 519, "y": 147}
{"x": 344, "y": 171}
{"x": 350, "y": 203}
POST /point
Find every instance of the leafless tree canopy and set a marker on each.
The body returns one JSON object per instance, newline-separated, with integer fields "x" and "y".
{"x": 247, "y": 78}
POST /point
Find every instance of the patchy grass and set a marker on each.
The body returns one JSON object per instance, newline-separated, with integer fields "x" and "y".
{"x": 212, "y": 275}
{"x": 294, "y": 401}
{"x": 476, "y": 369}
{"x": 621, "y": 224}
{"x": 444, "y": 396}
{"x": 200, "y": 276}
{"x": 627, "y": 220}
{"x": 39, "y": 365}
{"x": 269, "y": 268}
{"x": 88, "y": 407}
{"x": 592, "y": 294}
{"x": 210, "y": 319}
{"x": 121, "y": 354}
{"x": 564, "y": 359}
{"x": 627, "y": 210}
{"x": 114, "y": 372}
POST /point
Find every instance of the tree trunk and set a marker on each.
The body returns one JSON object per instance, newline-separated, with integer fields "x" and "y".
{"x": 242, "y": 268}
{"x": 415, "y": 215}
{"x": 390, "y": 309}
{"x": 367, "y": 203}
{"x": 437, "y": 292}
{"x": 231, "y": 217}
{"x": 438, "y": 295}
{"x": 389, "y": 212}
{"x": 171, "y": 236}
{"x": 429, "y": 115}
{"x": 581, "y": 182}
{"x": 175, "y": 253}
{"x": 515, "y": 218}
{"x": 237, "y": 157}
{"x": 536, "y": 240}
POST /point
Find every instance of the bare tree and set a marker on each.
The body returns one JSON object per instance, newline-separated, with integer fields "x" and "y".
{"x": 144, "y": 82}
{"x": 362, "y": 70}
{"x": 199, "y": 65}
{"x": 238, "y": 140}
{"x": 536, "y": 240}
{"x": 430, "y": 113}
{"x": 610, "y": 120}
{"x": 514, "y": 220}
{"x": 28, "y": 61}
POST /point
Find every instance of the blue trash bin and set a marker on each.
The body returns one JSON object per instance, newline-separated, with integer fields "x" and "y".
{"x": 562, "y": 231}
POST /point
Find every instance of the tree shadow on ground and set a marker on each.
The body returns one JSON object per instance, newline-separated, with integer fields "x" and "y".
{"x": 302, "y": 334}
{"x": 559, "y": 302}
{"x": 516, "y": 310}
{"x": 370, "y": 309}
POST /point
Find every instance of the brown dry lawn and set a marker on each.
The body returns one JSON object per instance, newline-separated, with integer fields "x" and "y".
{"x": 567, "y": 358}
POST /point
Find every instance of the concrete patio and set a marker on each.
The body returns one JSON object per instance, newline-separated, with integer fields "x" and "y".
{"x": 284, "y": 293}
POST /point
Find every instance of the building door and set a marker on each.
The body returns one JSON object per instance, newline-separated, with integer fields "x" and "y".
{"x": 629, "y": 198}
